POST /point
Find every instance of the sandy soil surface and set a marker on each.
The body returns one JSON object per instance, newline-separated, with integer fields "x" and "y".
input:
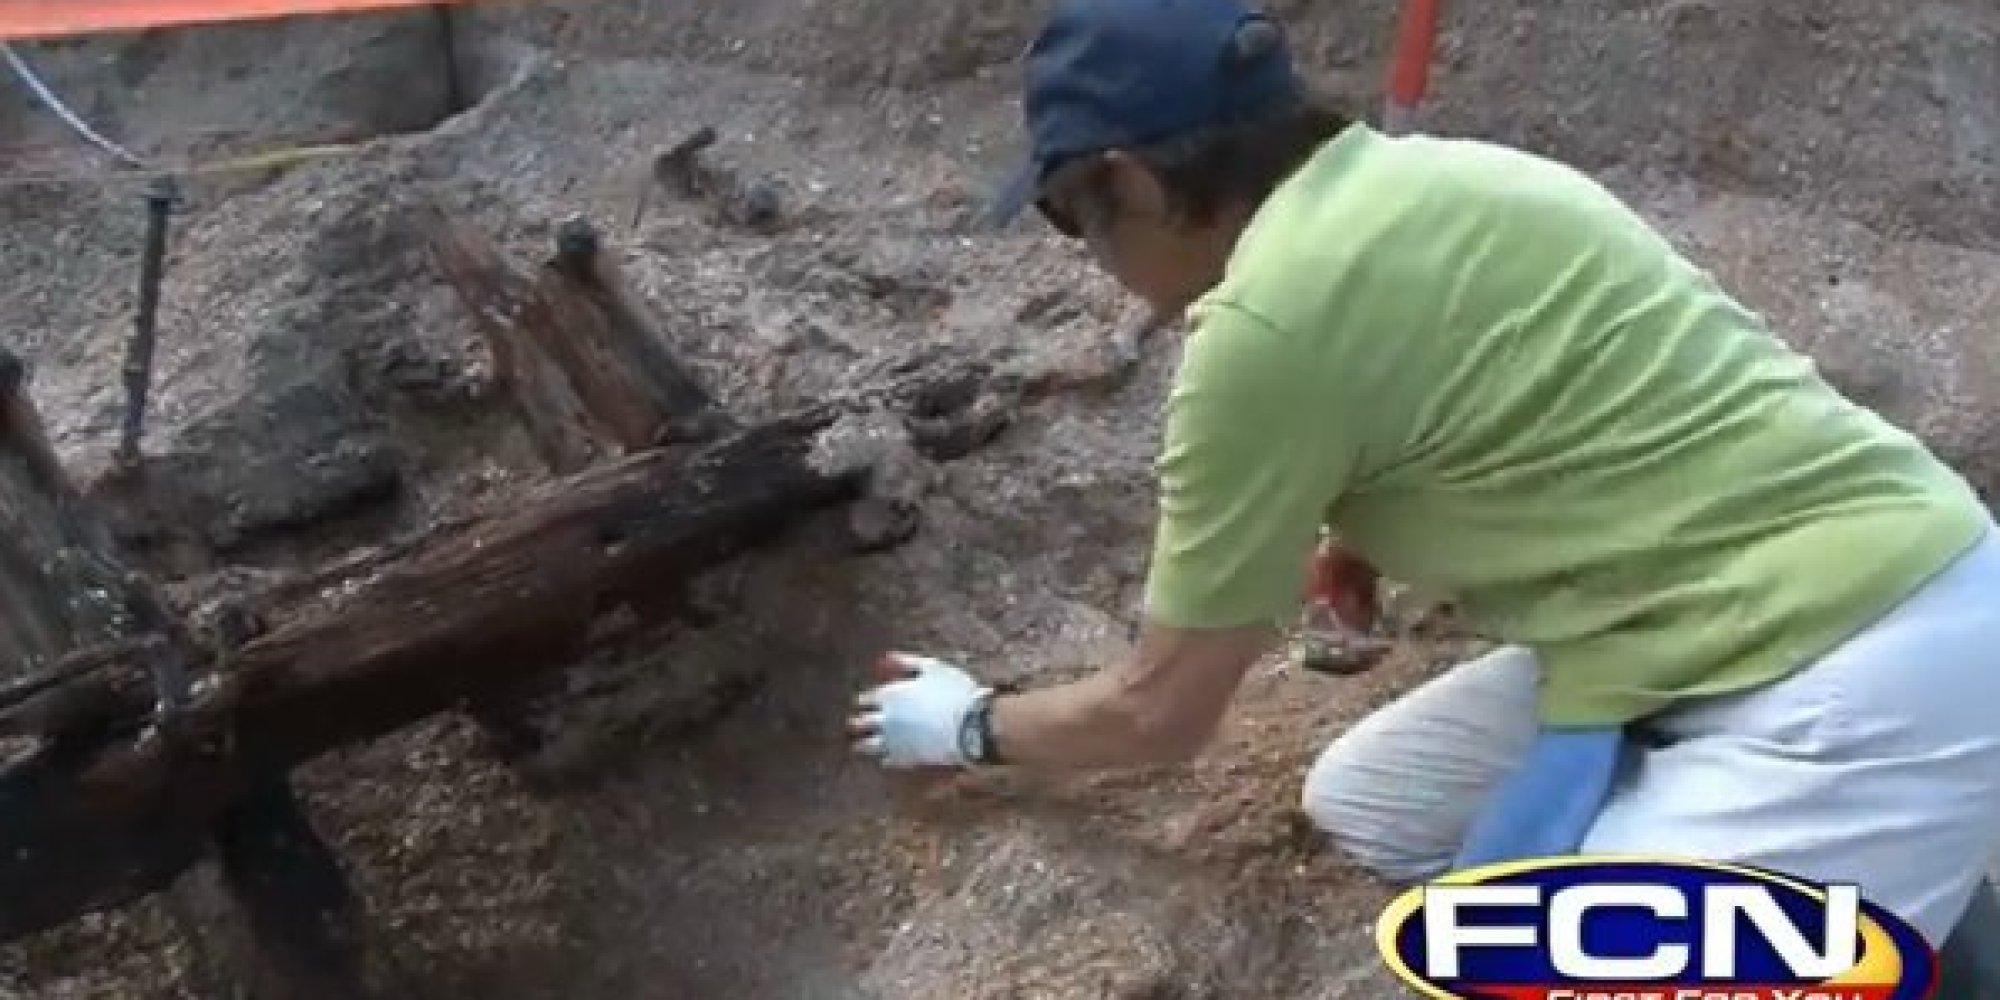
{"x": 318, "y": 388}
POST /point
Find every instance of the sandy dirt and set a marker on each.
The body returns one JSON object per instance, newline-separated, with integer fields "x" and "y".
{"x": 698, "y": 830}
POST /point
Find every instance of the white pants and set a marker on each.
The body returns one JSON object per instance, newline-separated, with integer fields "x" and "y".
{"x": 1877, "y": 765}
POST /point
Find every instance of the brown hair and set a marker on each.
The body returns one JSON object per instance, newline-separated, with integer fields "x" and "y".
{"x": 1205, "y": 171}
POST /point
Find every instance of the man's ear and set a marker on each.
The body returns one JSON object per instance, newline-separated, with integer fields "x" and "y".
{"x": 1137, "y": 189}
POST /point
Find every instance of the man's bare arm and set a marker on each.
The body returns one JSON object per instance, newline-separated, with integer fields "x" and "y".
{"x": 1160, "y": 705}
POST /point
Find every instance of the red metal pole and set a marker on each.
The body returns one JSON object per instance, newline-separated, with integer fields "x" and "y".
{"x": 1410, "y": 65}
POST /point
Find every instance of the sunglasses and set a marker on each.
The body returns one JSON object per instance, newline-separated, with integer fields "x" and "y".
{"x": 1059, "y": 219}
{"x": 1056, "y": 176}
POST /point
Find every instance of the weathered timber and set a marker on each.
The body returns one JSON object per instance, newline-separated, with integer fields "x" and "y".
{"x": 506, "y": 308}
{"x": 63, "y": 592}
{"x": 61, "y": 586}
{"x": 588, "y": 365}
{"x": 71, "y": 595}
{"x": 491, "y": 602}
{"x": 109, "y": 805}
{"x": 618, "y": 357}
{"x": 302, "y": 922}
{"x": 676, "y": 168}
{"x": 580, "y": 352}
{"x": 516, "y": 593}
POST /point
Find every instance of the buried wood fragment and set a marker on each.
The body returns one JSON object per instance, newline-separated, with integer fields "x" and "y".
{"x": 112, "y": 800}
{"x": 464, "y": 612}
{"x": 753, "y": 203}
{"x": 582, "y": 354}
{"x": 73, "y": 609}
{"x": 676, "y": 169}
{"x": 587, "y": 363}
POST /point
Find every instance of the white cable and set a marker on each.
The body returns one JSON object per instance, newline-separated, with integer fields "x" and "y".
{"x": 60, "y": 110}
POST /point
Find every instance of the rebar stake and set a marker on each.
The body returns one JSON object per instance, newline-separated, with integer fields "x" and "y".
{"x": 454, "y": 74}
{"x": 161, "y": 196}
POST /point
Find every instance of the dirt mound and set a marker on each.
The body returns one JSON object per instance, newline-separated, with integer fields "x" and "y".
{"x": 1879, "y": 111}
{"x": 319, "y": 388}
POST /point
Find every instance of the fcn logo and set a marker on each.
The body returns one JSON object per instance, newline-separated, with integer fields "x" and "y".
{"x": 1614, "y": 928}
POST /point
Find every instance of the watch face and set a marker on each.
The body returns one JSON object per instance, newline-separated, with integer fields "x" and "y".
{"x": 972, "y": 732}
{"x": 971, "y": 738}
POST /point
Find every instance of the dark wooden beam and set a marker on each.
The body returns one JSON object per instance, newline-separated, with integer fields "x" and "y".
{"x": 583, "y": 355}
{"x": 105, "y": 798}
{"x": 74, "y": 607}
{"x": 496, "y": 600}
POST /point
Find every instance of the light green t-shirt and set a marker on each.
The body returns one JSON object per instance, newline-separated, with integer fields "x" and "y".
{"x": 1498, "y": 384}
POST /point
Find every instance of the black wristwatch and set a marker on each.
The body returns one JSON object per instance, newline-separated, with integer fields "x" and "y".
{"x": 975, "y": 731}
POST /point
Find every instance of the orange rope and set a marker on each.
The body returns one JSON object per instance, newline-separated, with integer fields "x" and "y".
{"x": 53, "y": 18}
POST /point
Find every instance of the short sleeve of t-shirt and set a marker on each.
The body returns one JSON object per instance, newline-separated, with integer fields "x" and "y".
{"x": 1254, "y": 454}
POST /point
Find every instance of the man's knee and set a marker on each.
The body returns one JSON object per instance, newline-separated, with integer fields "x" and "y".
{"x": 1349, "y": 797}
{"x": 1398, "y": 790}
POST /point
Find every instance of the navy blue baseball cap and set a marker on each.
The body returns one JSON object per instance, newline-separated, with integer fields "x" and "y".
{"x": 1109, "y": 74}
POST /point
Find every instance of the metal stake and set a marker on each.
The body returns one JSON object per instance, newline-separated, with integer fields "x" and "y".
{"x": 161, "y": 196}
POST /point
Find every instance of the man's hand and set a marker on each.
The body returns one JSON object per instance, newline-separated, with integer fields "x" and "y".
{"x": 914, "y": 718}
{"x": 1347, "y": 584}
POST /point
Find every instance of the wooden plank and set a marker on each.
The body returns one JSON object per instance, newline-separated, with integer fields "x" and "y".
{"x": 584, "y": 355}
{"x": 111, "y": 801}
{"x": 507, "y": 308}
{"x": 481, "y": 606}
{"x": 621, "y": 364}
{"x": 69, "y": 593}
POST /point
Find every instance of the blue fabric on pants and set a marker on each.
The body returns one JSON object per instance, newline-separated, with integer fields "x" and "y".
{"x": 1545, "y": 808}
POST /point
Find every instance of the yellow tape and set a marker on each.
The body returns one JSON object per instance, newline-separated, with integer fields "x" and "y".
{"x": 272, "y": 159}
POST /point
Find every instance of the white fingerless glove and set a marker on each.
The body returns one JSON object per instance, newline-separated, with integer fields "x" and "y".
{"x": 917, "y": 719}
